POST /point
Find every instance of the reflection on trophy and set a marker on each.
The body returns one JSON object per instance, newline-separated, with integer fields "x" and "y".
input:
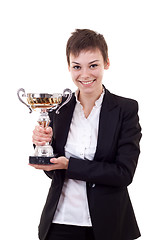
{"x": 45, "y": 103}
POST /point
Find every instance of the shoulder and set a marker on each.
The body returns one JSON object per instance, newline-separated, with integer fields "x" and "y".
{"x": 124, "y": 103}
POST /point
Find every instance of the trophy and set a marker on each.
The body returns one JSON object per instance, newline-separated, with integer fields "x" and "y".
{"x": 45, "y": 103}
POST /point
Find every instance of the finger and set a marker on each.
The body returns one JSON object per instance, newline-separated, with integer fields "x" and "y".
{"x": 60, "y": 163}
{"x": 43, "y": 133}
{"x": 49, "y": 130}
{"x": 45, "y": 139}
{"x": 54, "y": 160}
{"x": 42, "y": 130}
{"x": 40, "y": 137}
{"x": 39, "y": 128}
{"x": 39, "y": 131}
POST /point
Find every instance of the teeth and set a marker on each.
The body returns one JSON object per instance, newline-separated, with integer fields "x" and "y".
{"x": 85, "y": 83}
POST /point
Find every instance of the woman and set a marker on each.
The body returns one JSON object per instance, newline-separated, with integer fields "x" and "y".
{"x": 96, "y": 136}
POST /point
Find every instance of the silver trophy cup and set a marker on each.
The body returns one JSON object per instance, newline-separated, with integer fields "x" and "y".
{"x": 44, "y": 102}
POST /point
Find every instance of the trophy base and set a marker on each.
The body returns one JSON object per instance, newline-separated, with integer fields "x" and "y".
{"x": 40, "y": 160}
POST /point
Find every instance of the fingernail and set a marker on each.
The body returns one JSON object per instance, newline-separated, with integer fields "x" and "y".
{"x": 52, "y": 160}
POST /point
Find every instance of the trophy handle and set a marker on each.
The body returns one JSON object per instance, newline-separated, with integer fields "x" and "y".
{"x": 23, "y": 95}
{"x": 66, "y": 92}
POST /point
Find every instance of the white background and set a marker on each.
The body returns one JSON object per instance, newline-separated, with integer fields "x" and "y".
{"x": 33, "y": 35}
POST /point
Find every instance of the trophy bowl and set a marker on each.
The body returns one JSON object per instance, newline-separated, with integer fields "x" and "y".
{"x": 44, "y": 100}
{"x": 45, "y": 103}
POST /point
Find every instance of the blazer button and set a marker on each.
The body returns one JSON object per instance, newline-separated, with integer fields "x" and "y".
{"x": 91, "y": 185}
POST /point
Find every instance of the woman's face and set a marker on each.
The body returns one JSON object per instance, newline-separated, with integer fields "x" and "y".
{"x": 87, "y": 71}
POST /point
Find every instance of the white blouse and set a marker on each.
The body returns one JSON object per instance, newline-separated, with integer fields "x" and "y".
{"x": 73, "y": 208}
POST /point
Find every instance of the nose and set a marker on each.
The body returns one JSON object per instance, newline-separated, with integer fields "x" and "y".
{"x": 84, "y": 74}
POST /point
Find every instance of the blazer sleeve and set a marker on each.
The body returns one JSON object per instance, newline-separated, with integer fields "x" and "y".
{"x": 119, "y": 170}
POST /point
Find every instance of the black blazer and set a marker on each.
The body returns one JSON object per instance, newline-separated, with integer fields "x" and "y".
{"x": 108, "y": 175}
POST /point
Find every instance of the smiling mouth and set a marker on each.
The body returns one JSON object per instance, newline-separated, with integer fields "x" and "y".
{"x": 87, "y": 82}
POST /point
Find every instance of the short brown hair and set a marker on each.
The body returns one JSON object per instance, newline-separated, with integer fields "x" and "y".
{"x": 86, "y": 39}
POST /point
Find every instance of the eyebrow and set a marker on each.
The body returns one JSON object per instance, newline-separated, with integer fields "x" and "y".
{"x": 89, "y": 62}
{"x": 75, "y": 62}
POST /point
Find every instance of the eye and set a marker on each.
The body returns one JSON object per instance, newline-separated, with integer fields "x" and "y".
{"x": 93, "y": 66}
{"x": 76, "y": 67}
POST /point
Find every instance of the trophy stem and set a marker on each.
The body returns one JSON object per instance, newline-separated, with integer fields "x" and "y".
{"x": 44, "y": 119}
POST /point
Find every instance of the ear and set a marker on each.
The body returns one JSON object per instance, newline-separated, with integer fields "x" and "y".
{"x": 107, "y": 64}
{"x": 69, "y": 67}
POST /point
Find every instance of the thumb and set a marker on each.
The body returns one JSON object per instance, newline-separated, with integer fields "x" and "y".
{"x": 53, "y": 160}
{"x": 48, "y": 130}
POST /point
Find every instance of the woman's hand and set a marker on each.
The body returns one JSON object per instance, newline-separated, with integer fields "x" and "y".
{"x": 42, "y": 135}
{"x": 58, "y": 163}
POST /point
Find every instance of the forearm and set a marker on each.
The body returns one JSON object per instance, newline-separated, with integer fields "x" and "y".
{"x": 110, "y": 174}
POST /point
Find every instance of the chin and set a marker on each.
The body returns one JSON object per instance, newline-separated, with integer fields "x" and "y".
{"x": 87, "y": 90}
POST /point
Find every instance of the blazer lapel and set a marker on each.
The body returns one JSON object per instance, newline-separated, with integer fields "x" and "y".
{"x": 107, "y": 125}
{"x": 63, "y": 121}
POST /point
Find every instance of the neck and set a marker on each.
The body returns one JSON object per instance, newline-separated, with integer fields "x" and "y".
{"x": 88, "y": 100}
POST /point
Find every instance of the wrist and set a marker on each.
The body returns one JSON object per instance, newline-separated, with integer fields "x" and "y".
{"x": 66, "y": 164}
